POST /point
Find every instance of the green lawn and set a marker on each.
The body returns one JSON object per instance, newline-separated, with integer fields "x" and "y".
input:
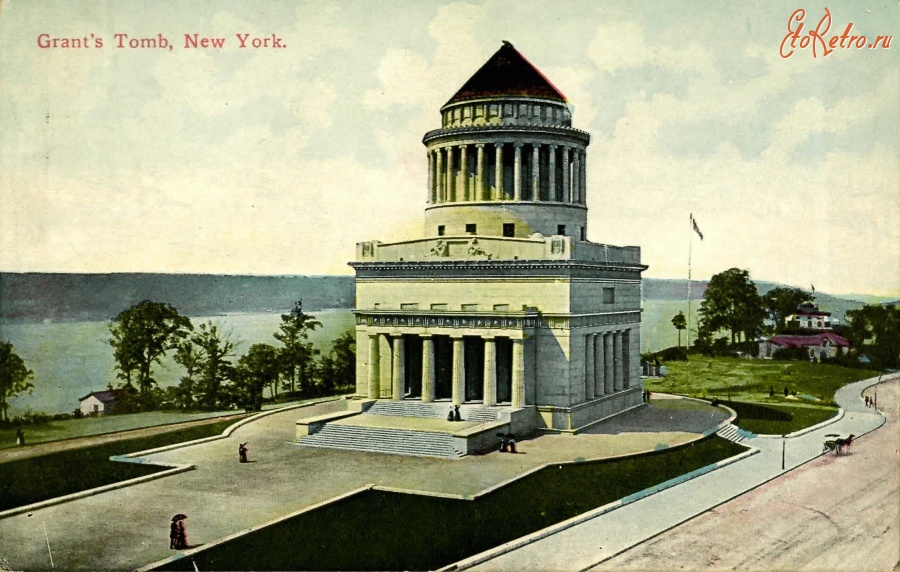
{"x": 86, "y": 426}
{"x": 379, "y": 530}
{"x": 40, "y": 478}
{"x": 778, "y": 419}
{"x": 751, "y": 379}
{"x": 811, "y": 388}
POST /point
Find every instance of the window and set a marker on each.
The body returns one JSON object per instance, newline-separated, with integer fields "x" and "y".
{"x": 501, "y": 307}
{"x": 609, "y": 295}
{"x": 509, "y": 229}
{"x": 583, "y": 234}
{"x": 440, "y": 306}
{"x": 441, "y": 230}
{"x": 470, "y": 307}
{"x": 561, "y": 229}
{"x": 409, "y": 306}
{"x": 470, "y": 228}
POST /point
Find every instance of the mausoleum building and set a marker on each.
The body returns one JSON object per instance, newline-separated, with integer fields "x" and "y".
{"x": 504, "y": 302}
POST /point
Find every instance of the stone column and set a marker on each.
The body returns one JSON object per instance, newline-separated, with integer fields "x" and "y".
{"x": 398, "y": 369}
{"x": 459, "y": 371}
{"x": 464, "y": 172}
{"x": 498, "y": 176}
{"x": 430, "y": 198}
{"x": 626, "y": 359}
{"x": 518, "y": 373}
{"x": 490, "y": 372}
{"x": 517, "y": 172}
{"x": 427, "y": 369}
{"x": 583, "y": 175}
{"x": 374, "y": 367}
{"x": 479, "y": 173}
{"x": 576, "y": 177}
{"x": 536, "y": 173}
{"x": 599, "y": 389}
{"x": 439, "y": 172}
{"x": 551, "y": 180}
{"x": 617, "y": 351}
{"x": 608, "y": 363}
{"x": 452, "y": 195}
{"x": 588, "y": 367}
{"x": 567, "y": 191}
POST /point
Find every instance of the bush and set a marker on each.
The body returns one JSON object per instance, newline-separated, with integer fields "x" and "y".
{"x": 672, "y": 354}
{"x": 791, "y": 354}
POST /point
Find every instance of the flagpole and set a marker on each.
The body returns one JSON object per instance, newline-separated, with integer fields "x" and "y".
{"x": 690, "y": 242}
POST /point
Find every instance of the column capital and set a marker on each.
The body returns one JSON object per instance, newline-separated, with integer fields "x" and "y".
{"x": 479, "y": 145}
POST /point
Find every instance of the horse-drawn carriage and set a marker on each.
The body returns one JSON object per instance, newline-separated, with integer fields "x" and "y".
{"x": 836, "y": 443}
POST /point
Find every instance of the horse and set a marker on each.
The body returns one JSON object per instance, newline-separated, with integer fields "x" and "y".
{"x": 841, "y": 445}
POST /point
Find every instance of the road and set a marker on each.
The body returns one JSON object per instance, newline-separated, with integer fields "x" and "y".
{"x": 835, "y": 513}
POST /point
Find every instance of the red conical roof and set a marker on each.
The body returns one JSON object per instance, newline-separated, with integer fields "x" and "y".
{"x": 507, "y": 72}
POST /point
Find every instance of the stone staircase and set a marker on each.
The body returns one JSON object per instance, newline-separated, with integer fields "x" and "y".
{"x": 733, "y": 433}
{"x": 474, "y": 413}
{"x": 397, "y": 441}
{"x": 383, "y": 440}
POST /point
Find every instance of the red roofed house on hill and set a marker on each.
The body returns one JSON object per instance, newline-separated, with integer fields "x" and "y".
{"x": 823, "y": 345}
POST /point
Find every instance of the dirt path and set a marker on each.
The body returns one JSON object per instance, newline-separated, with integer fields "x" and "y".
{"x": 835, "y": 513}
{"x": 38, "y": 449}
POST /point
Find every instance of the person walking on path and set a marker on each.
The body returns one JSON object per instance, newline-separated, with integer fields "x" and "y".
{"x": 242, "y": 452}
{"x": 178, "y": 533}
{"x": 20, "y": 437}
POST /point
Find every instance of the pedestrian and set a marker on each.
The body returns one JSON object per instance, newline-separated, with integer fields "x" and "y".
{"x": 178, "y": 533}
{"x": 867, "y": 400}
{"x": 649, "y": 395}
{"x": 512, "y": 443}
{"x": 456, "y": 415}
{"x": 502, "y": 442}
{"x": 242, "y": 452}
{"x": 20, "y": 437}
{"x": 450, "y": 415}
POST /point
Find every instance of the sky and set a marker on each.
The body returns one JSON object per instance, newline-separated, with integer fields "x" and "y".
{"x": 243, "y": 160}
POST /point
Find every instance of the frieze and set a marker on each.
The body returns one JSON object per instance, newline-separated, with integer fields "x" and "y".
{"x": 477, "y": 322}
{"x": 616, "y": 319}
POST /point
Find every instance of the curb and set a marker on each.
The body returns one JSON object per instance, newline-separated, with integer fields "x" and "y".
{"x": 173, "y": 470}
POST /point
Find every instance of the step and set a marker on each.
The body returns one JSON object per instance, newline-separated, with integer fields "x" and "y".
{"x": 381, "y": 440}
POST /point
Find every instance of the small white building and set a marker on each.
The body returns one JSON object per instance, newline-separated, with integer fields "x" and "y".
{"x": 809, "y": 317}
{"x": 99, "y": 402}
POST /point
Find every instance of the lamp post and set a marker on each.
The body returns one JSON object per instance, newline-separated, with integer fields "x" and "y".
{"x": 783, "y": 446}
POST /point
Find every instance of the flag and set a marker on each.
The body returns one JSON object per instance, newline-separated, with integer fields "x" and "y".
{"x": 696, "y": 228}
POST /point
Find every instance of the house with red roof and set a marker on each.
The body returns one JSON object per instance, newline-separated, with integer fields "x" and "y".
{"x": 820, "y": 346}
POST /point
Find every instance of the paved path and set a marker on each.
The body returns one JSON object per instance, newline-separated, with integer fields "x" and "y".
{"x": 586, "y": 545}
{"x": 128, "y": 527}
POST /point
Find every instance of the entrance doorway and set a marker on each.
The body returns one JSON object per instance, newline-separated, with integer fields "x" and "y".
{"x": 443, "y": 367}
{"x": 474, "y": 360}
{"x": 412, "y": 385}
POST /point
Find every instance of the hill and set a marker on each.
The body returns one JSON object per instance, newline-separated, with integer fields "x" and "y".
{"x": 37, "y": 297}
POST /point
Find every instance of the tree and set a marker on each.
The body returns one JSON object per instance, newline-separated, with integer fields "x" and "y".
{"x": 216, "y": 370}
{"x": 141, "y": 335}
{"x": 297, "y": 355}
{"x": 257, "y": 369}
{"x": 188, "y": 356}
{"x": 14, "y": 377}
{"x": 680, "y": 323}
{"x": 338, "y": 368}
{"x": 877, "y": 329}
{"x": 731, "y": 302}
{"x": 781, "y": 302}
